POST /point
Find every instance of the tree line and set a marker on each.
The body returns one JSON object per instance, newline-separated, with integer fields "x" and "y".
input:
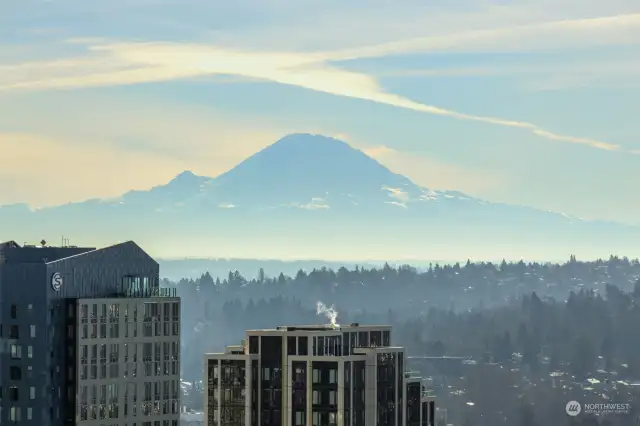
{"x": 521, "y": 324}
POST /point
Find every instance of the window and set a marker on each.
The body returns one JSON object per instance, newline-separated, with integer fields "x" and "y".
{"x": 363, "y": 339}
{"x": 291, "y": 345}
{"x": 32, "y": 392}
{"x": 114, "y": 330}
{"x": 29, "y": 306}
{"x": 332, "y": 419}
{"x": 16, "y": 351}
{"x": 303, "y": 342}
{"x": 316, "y": 375}
{"x": 316, "y": 397}
{"x": 29, "y": 351}
{"x": 14, "y": 414}
{"x": 333, "y": 376}
{"x": 29, "y": 413}
{"x": 300, "y": 420}
{"x": 15, "y": 373}
{"x": 166, "y": 311}
{"x": 254, "y": 345}
{"x": 14, "y": 311}
{"x": 345, "y": 344}
{"x": 386, "y": 338}
{"x": 13, "y": 393}
{"x": 265, "y": 373}
{"x": 375, "y": 339}
{"x": 333, "y": 400}
{"x": 14, "y": 332}
{"x": 315, "y": 418}
{"x": 145, "y": 283}
{"x": 32, "y": 330}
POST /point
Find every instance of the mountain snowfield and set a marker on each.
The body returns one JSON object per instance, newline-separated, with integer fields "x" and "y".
{"x": 311, "y": 196}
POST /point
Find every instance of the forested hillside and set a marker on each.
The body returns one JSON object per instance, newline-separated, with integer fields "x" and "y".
{"x": 519, "y": 324}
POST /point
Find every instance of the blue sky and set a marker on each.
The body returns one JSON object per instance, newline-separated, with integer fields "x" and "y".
{"x": 531, "y": 102}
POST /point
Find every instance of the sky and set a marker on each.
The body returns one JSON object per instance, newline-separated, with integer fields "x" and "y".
{"x": 530, "y": 102}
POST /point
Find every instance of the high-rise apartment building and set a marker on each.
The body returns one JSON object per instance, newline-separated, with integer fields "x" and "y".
{"x": 323, "y": 375}
{"x": 88, "y": 338}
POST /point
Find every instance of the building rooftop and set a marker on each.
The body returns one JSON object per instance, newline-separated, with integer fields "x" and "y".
{"x": 322, "y": 327}
{"x": 8, "y": 245}
{"x": 12, "y": 252}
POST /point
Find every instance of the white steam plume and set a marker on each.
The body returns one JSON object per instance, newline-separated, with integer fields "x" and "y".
{"x": 330, "y": 312}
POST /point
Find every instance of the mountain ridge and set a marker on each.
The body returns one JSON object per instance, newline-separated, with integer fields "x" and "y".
{"x": 187, "y": 181}
{"x": 304, "y": 191}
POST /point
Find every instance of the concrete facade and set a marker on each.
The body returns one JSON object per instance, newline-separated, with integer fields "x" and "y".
{"x": 314, "y": 376}
{"x": 128, "y": 365}
{"x": 43, "y": 294}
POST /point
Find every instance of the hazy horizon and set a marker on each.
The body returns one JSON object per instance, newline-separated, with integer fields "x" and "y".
{"x": 313, "y": 197}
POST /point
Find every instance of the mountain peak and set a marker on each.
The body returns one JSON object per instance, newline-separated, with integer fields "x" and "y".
{"x": 187, "y": 179}
{"x": 186, "y": 175}
{"x": 305, "y": 147}
{"x": 308, "y": 139}
{"x": 310, "y": 165}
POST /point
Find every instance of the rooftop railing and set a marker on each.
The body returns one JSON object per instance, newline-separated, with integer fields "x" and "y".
{"x": 150, "y": 292}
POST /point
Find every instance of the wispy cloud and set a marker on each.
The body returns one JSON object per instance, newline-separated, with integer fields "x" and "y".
{"x": 109, "y": 64}
{"x": 591, "y": 68}
{"x": 557, "y": 35}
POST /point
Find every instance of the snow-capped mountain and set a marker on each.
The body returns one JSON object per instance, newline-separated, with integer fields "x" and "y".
{"x": 314, "y": 196}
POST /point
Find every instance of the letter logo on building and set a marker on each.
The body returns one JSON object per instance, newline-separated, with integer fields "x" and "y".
{"x": 56, "y": 281}
{"x": 573, "y": 408}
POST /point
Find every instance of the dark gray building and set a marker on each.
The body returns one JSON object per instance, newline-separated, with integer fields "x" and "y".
{"x": 315, "y": 375}
{"x": 88, "y": 338}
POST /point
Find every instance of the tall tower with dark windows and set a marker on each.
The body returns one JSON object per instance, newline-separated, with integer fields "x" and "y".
{"x": 92, "y": 339}
{"x": 314, "y": 376}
